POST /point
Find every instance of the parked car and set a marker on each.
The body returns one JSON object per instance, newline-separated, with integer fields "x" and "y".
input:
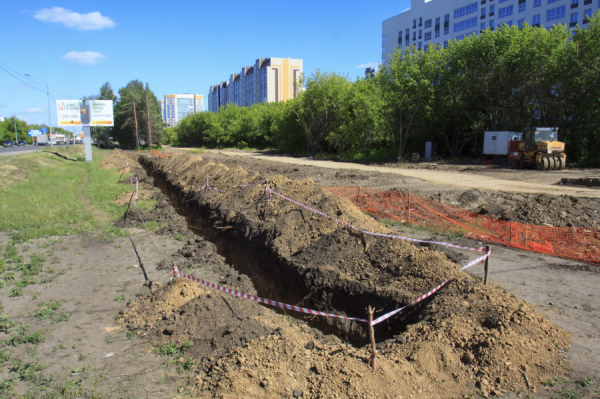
{"x": 71, "y": 141}
{"x": 21, "y": 143}
{"x": 9, "y": 143}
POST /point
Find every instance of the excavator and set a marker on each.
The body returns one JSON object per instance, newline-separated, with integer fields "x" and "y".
{"x": 540, "y": 149}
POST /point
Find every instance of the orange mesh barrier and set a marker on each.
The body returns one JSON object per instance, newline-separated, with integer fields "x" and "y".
{"x": 573, "y": 242}
{"x": 158, "y": 153}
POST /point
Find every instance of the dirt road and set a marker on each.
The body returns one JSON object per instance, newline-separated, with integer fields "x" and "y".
{"x": 508, "y": 180}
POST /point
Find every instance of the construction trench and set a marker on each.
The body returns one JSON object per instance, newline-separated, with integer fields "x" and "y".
{"x": 298, "y": 257}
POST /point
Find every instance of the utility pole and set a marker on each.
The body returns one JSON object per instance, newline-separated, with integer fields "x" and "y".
{"x": 16, "y": 136}
{"x": 48, "y": 95}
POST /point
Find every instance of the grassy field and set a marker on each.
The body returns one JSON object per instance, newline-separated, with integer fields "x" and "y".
{"x": 45, "y": 194}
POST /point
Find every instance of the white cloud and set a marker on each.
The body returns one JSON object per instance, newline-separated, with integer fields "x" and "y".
{"x": 34, "y": 110}
{"x": 367, "y": 65}
{"x": 75, "y": 20}
{"x": 84, "y": 57}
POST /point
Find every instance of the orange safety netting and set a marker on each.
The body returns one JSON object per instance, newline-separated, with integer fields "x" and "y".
{"x": 158, "y": 153}
{"x": 573, "y": 242}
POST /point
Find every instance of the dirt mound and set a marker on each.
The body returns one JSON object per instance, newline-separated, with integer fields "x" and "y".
{"x": 559, "y": 211}
{"x": 470, "y": 335}
{"x": 581, "y": 182}
{"x": 117, "y": 159}
{"x": 142, "y": 195}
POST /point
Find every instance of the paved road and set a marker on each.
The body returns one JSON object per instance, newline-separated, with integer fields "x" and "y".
{"x": 11, "y": 151}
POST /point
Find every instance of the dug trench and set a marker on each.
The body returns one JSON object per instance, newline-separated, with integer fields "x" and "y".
{"x": 482, "y": 337}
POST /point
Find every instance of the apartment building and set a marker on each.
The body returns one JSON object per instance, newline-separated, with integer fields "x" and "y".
{"x": 268, "y": 80}
{"x": 175, "y": 107}
{"x": 440, "y": 21}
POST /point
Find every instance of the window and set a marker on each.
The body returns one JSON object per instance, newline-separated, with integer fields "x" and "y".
{"x": 505, "y": 12}
{"x": 483, "y": 11}
{"x": 426, "y": 47}
{"x": 400, "y": 37}
{"x": 445, "y": 43}
{"x": 492, "y": 9}
{"x": 574, "y": 3}
{"x": 586, "y": 15}
{"x": 446, "y": 30}
{"x": 447, "y": 17}
{"x": 466, "y": 24}
{"x": 437, "y": 33}
{"x": 437, "y": 21}
{"x": 466, "y": 10}
{"x": 522, "y": 6}
{"x": 502, "y": 1}
{"x": 555, "y": 13}
{"x": 494, "y": 138}
{"x": 520, "y": 23}
{"x": 420, "y": 46}
{"x": 552, "y": 1}
{"x": 414, "y": 36}
{"x": 482, "y": 26}
{"x": 428, "y": 23}
{"x": 383, "y": 50}
{"x": 536, "y": 20}
{"x": 427, "y": 35}
{"x": 574, "y": 18}
{"x": 414, "y": 24}
{"x": 509, "y": 23}
{"x": 537, "y": 3}
{"x": 491, "y": 24}
{"x": 420, "y": 21}
{"x": 420, "y": 33}
{"x": 382, "y": 39}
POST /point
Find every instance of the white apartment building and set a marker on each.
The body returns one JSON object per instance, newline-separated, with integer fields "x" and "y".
{"x": 175, "y": 107}
{"x": 440, "y": 21}
{"x": 268, "y": 80}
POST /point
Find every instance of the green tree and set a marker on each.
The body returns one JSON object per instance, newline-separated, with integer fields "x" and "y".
{"x": 128, "y": 111}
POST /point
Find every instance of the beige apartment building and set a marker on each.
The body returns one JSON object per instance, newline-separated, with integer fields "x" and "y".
{"x": 268, "y": 80}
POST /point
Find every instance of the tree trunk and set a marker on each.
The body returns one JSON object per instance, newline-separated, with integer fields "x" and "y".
{"x": 137, "y": 139}
{"x": 149, "y": 127}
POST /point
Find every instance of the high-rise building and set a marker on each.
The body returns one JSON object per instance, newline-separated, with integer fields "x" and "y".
{"x": 440, "y": 21}
{"x": 175, "y": 107}
{"x": 268, "y": 80}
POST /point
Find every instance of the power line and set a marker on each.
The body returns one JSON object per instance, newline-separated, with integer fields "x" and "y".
{"x": 3, "y": 66}
{"x": 25, "y": 83}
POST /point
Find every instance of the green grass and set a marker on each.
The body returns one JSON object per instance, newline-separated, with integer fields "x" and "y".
{"x": 46, "y": 310}
{"x": 49, "y": 202}
{"x": 172, "y": 349}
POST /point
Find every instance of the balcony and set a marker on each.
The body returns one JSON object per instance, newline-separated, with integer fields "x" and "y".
{"x": 575, "y": 5}
{"x": 587, "y": 2}
{"x": 572, "y": 24}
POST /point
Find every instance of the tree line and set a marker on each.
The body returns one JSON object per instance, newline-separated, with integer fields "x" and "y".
{"x": 507, "y": 79}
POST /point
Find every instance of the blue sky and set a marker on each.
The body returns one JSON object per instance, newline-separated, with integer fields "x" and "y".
{"x": 179, "y": 46}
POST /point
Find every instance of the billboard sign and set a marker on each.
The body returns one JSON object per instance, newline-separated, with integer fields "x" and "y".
{"x": 32, "y": 133}
{"x": 85, "y": 113}
{"x": 68, "y": 112}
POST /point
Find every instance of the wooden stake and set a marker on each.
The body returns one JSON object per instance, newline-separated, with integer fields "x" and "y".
{"x": 487, "y": 265}
{"x": 372, "y": 336}
{"x": 408, "y": 208}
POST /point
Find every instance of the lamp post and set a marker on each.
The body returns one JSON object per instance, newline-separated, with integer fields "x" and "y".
{"x": 48, "y": 95}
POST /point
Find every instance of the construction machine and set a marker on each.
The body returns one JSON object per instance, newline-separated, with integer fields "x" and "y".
{"x": 540, "y": 149}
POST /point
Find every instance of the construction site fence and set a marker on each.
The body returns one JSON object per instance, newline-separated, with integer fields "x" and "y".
{"x": 579, "y": 243}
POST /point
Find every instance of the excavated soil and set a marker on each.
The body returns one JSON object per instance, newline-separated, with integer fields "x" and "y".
{"x": 468, "y": 338}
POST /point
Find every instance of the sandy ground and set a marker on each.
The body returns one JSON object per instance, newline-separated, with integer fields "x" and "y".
{"x": 567, "y": 295}
{"x": 492, "y": 178}
{"x": 96, "y": 276}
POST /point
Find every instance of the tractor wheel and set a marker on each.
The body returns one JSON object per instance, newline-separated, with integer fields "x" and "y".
{"x": 540, "y": 165}
{"x": 551, "y": 163}
{"x": 560, "y": 163}
{"x": 545, "y": 163}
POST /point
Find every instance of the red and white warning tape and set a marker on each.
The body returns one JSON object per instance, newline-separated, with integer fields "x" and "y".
{"x": 269, "y": 193}
{"x": 259, "y": 299}
{"x": 316, "y": 312}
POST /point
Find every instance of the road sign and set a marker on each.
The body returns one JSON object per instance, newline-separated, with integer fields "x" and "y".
{"x": 32, "y": 133}
{"x": 44, "y": 130}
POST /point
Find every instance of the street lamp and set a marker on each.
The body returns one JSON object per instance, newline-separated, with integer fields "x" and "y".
{"x": 48, "y": 95}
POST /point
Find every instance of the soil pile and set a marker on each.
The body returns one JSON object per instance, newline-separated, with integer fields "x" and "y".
{"x": 466, "y": 337}
{"x": 549, "y": 210}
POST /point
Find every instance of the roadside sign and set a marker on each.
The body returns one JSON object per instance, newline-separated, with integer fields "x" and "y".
{"x": 44, "y": 130}
{"x": 68, "y": 112}
{"x": 33, "y": 133}
{"x": 86, "y": 113}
